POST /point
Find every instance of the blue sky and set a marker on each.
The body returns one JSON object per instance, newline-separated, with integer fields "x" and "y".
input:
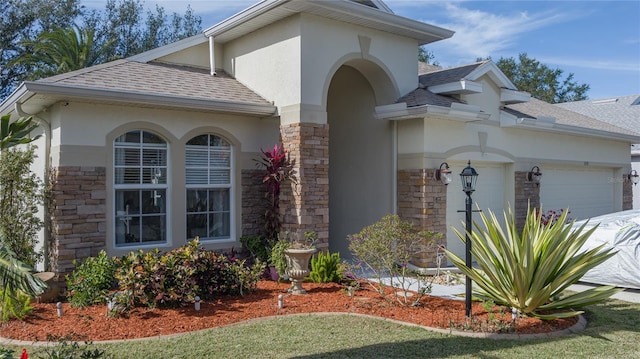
{"x": 597, "y": 41}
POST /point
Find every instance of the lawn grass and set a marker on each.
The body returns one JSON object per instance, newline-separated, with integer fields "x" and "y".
{"x": 613, "y": 331}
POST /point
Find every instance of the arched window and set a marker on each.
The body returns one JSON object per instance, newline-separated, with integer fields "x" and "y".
{"x": 140, "y": 185}
{"x": 208, "y": 180}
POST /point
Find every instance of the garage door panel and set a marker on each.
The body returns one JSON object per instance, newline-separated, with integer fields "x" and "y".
{"x": 587, "y": 193}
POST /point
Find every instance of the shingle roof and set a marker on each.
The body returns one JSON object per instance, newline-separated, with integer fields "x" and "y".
{"x": 536, "y": 108}
{"x": 452, "y": 74}
{"x": 159, "y": 79}
{"x": 621, "y": 111}
{"x": 420, "y": 97}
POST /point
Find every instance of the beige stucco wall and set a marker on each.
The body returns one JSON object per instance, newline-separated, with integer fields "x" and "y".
{"x": 79, "y": 146}
{"x": 196, "y": 56}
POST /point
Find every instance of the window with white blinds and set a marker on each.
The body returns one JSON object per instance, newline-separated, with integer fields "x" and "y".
{"x": 208, "y": 180}
{"x": 141, "y": 190}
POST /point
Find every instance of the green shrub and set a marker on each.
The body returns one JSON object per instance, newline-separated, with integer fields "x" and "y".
{"x": 20, "y": 199}
{"x": 68, "y": 348}
{"x": 384, "y": 249}
{"x": 6, "y": 353}
{"x": 17, "y": 306}
{"x": 528, "y": 271}
{"x": 326, "y": 268}
{"x": 177, "y": 277}
{"x": 257, "y": 246}
{"x": 91, "y": 281}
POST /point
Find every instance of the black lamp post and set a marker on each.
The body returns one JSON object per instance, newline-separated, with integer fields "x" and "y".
{"x": 469, "y": 176}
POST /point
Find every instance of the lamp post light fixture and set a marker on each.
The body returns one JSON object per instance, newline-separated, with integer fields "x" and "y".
{"x": 535, "y": 175}
{"x": 469, "y": 176}
{"x": 444, "y": 174}
{"x": 633, "y": 177}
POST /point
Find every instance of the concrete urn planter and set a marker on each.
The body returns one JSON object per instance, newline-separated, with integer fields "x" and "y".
{"x": 298, "y": 267}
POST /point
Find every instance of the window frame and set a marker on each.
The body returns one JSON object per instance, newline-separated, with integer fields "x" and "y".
{"x": 229, "y": 185}
{"x": 142, "y": 187}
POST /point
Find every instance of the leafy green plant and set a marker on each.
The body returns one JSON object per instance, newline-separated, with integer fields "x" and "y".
{"x": 6, "y": 353}
{"x": 68, "y": 348}
{"x": 90, "y": 281}
{"x": 529, "y": 271}
{"x": 15, "y": 306}
{"x": 257, "y": 246}
{"x": 384, "y": 249}
{"x": 21, "y": 195}
{"x": 177, "y": 277}
{"x": 326, "y": 268}
{"x": 278, "y": 259}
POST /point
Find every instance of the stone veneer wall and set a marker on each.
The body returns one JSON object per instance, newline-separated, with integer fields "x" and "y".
{"x": 627, "y": 195}
{"x": 78, "y": 222}
{"x": 422, "y": 200}
{"x": 527, "y": 193}
{"x": 305, "y": 205}
{"x": 253, "y": 202}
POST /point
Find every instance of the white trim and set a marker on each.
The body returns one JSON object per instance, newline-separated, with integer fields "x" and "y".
{"x": 145, "y": 98}
{"x": 547, "y": 123}
{"x": 491, "y": 69}
{"x": 508, "y": 96}
{"x": 459, "y": 87}
{"x": 457, "y": 112}
{"x": 212, "y": 57}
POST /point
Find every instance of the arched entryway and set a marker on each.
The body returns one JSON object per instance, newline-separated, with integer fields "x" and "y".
{"x": 361, "y": 156}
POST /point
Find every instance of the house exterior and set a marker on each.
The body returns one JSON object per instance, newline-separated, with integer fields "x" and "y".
{"x": 152, "y": 150}
{"x": 623, "y": 111}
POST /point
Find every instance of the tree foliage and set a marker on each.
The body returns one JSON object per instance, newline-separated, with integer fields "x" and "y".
{"x": 22, "y": 21}
{"x": 541, "y": 81}
{"x": 39, "y": 38}
{"x": 427, "y": 56}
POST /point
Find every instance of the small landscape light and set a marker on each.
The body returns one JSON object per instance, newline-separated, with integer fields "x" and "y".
{"x": 280, "y": 301}
{"x": 197, "y": 303}
{"x": 59, "y": 308}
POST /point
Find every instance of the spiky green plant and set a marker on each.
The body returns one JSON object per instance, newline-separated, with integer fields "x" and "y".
{"x": 529, "y": 271}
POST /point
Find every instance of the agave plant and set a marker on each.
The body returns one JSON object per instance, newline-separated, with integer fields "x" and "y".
{"x": 529, "y": 271}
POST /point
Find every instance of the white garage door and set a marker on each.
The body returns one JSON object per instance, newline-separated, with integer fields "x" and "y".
{"x": 489, "y": 194}
{"x": 587, "y": 192}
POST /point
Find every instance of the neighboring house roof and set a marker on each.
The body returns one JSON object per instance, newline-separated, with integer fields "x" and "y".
{"x": 536, "y": 113}
{"x": 151, "y": 84}
{"x": 621, "y": 111}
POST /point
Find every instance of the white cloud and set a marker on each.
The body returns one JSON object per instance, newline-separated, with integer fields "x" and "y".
{"x": 482, "y": 34}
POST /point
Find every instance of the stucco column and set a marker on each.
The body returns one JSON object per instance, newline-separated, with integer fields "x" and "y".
{"x": 422, "y": 200}
{"x": 305, "y": 205}
{"x": 527, "y": 194}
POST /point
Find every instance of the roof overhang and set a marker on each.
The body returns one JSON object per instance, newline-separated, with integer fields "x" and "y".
{"x": 457, "y": 112}
{"x": 270, "y": 11}
{"x": 508, "y": 96}
{"x": 549, "y": 124}
{"x": 37, "y": 96}
{"x": 459, "y": 87}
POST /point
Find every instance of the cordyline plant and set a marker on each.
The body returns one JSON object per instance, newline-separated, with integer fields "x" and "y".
{"x": 529, "y": 271}
{"x": 278, "y": 170}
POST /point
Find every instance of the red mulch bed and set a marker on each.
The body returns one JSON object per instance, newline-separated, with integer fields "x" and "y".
{"x": 92, "y": 323}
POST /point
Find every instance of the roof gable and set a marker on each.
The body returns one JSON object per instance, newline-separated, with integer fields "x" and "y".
{"x": 373, "y": 14}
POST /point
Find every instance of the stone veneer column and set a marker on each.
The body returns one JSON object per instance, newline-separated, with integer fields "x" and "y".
{"x": 305, "y": 205}
{"x": 78, "y": 222}
{"x": 527, "y": 194}
{"x": 422, "y": 200}
{"x": 627, "y": 195}
{"x": 253, "y": 202}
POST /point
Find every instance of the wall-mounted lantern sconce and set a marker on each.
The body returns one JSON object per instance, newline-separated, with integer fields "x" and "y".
{"x": 444, "y": 174}
{"x": 535, "y": 175}
{"x": 633, "y": 177}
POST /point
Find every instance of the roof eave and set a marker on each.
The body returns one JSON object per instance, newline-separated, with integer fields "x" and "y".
{"x": 400, "y": 112}
{"x": 547, "y": 125}
{"x": 144, "y": 98}
{"x": 424, "y": 33}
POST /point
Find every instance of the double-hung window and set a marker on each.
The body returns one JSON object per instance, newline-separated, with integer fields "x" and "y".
{"x": 208, "y": 182}
{"x": 140, "y": 184}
